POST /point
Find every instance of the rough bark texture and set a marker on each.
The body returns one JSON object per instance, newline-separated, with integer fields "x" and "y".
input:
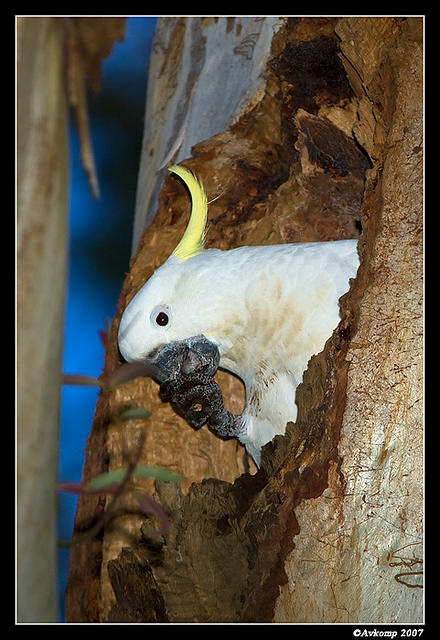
{"x": 329, "y": 529}
{"x": 366, "y": 562}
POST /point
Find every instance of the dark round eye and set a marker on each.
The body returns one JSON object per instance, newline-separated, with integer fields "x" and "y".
{"x": 162, "y": 319}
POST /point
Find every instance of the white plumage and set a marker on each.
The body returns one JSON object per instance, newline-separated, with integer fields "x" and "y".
{"x": 268, "y": 309}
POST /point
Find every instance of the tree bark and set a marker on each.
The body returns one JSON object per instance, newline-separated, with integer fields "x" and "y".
{"x": 44, "y": 77}
{"x": 42, "y": 194}
{"x": 324, "y": 144}
{"x": 370, "y": 546}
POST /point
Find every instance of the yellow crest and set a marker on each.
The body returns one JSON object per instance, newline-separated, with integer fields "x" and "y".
{"x": 194, "y": 237}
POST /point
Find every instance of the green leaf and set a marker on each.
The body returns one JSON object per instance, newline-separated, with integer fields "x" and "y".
{"x": 115, "y": 476}
{"x": 105, "y": 479}
{"x": 151, "y": 471}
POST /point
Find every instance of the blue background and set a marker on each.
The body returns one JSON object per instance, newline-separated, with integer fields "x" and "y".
{"x": 100, "y": 247}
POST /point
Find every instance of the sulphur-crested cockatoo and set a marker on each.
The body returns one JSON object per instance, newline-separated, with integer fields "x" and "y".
{"x": 260, "y": 312}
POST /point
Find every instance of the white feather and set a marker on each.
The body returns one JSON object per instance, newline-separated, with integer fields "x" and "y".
{"x": 268, "y": 309}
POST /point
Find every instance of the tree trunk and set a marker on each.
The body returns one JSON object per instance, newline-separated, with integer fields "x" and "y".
{"x": 42, "y": 196}
{"x": 309, "y": 129}
{"x": 45, "y": 74}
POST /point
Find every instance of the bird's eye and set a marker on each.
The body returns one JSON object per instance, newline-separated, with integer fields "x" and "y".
{"x": 162, "y": 319}
{"x": 161, "y": 315}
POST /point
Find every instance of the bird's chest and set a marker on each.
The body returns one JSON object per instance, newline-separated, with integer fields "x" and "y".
{"x": 272, "y": 397}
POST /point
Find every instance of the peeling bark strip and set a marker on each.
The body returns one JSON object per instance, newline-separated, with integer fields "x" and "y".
{"x": 87, "y": 41}
{"x": 337, "y": 498}
{"x": 138, "y": 599}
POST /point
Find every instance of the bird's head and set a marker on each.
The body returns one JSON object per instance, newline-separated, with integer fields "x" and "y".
{"x": 166, "y": 309}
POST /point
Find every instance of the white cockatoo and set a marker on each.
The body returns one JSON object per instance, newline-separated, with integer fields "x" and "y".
{"x": 265, "y": 310}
